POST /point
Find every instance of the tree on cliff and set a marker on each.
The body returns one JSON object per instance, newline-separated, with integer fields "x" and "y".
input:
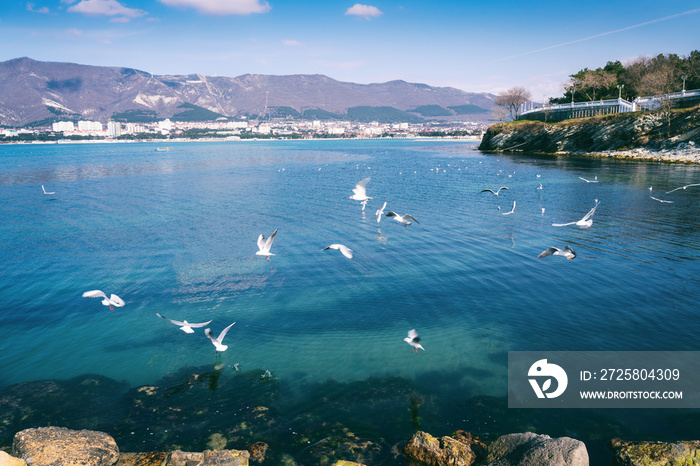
{"x": 512, "y": 100}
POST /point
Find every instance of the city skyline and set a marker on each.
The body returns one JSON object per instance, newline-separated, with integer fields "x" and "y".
{"x": 475, "y": 48}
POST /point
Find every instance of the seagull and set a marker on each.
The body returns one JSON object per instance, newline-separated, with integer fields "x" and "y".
{"x": 401, "y": 218}
{"x": 683, "y": 187}
{"x": 46, "y": 193}
{"x": 495, "y": 193}
{"x": 414, "y": 340}
{"x": 511, "y": 210}
{"x": 347, "y": 252}
{"x": 265, "y": 246}
{"x": 540, "y": 186}
{"x": 184, "y": 325}
{"x": 380, "y": 212}
{"x": 112, "y": 301}
{"x": 217, "y": 341}
{"x": 661, "y": 200}
{"x": 360, "y": 192}
{"x": 585, "y": 222}
{"x": 566, "y": 252}
{"x": 590, "y": 181}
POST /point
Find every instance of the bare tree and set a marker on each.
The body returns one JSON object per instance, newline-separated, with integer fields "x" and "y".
{"x": 512, "y": 100}
{"x": 659, "y": 84}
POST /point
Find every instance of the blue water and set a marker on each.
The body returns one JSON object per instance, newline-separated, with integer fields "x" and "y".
{"x": 175, "y": 233}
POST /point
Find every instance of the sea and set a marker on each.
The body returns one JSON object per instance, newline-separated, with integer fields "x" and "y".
{"x": 316, "y": 367}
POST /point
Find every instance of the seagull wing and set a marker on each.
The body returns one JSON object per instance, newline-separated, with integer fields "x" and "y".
{"x": 94, "y": 294}
{"x": 487, "y": 190}
{"x": 116, "y": 300}
{"x": 176, "y": 322}
{"x": 207, "y": 332}
{"x": 268, "y": 243}
{"x": 568, "y": 252}
{"x": 224, "y": 332}
{"x": 261, "y": 242}
{"x": 413, "y": 335}
{"x": 199, "y": 325}
{"x": 347, "y": 252}
{"x": 590, "y": 213}
{"x": 411, "y": 217}
{"x": 563, "y": 224}
{"x": 361, "y": 188}
{"x": 391, "y": 213}
{"x": 499, "y": 189}
{"x": 548, "y": 252}
{"x": 661, "y": 200}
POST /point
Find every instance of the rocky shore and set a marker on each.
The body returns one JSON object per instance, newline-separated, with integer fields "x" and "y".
{"x": 58, "y": 446}
{"x": 647, "y": 136}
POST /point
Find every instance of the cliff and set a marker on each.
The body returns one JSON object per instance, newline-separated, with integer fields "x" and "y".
{"x": 644, "y": 135}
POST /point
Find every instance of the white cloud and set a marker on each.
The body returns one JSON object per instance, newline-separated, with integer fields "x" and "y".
{"x": 365, "y": 11}
{"x": 105, "y": 7}
{"x": 291, "y": 43}
{"x": 222, "y": 7}
{"x": 44, "y": 9}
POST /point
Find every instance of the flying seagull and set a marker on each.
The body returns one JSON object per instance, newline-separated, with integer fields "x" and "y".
{"x": 45, "y": 192}
{"x": 566, "y": 252}
{"x": 217, "y": 341}
{"x": 511, "y": 210}
{"x": 495, "y": 193}
{"x": 112, "y": 301}
{"x": 585, "y": 222}
{"x": 380, "y": 212}
{"x": 401, "y": 218}
{"x": 595, "y": 180}
{"x": 347, "y": 252}
{"x": 265, "y": 245}
{"x": 360, "y": 192}
{"x": 184, "y": 325}
{"x": 683, "y": 187}
{"x": 414, "y": 340}
{"x": 661, "y": 200}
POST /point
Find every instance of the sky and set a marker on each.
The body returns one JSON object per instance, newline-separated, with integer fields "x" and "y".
{"x": 475, "y": 46}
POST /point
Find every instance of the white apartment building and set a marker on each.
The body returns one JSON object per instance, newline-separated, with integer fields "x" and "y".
{"x": 63, "y": 126}
{"x": 89, "y": 126}
{"x": 114, "y": 129}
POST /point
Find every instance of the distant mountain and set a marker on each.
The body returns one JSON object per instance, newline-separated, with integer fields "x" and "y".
{"x": 38, "y": 93}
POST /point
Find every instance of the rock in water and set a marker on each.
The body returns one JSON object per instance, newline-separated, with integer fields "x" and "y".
{"x": 423, "y": 448}
{"x": 7, "y": 460}
{"x": 530, "y": 449}
{"x": 58, "y": 446}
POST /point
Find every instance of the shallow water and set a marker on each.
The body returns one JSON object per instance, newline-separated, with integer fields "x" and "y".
{"x": 175, "y": 233}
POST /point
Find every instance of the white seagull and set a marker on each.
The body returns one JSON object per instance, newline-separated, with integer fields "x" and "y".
{"x": 217, "y": 341}
{"x": 380, "y": 212}
{"x": 683, "y": 187}
{"x": 511, "y": 210}
{"x": 184, "y": 325}
{"x": 360, "y": 193}
{"x": 566, "y": 252}
{"x": 585, "y": 222}
{"x": 112, "y": 301}
{"x": 414, "y": 340}
{"x": 495, "y": 193}
{"x": 45, "y": 192}
{"x": 265, "y": 245}
{"x": 347, "y": 252}
{"x": 590, "y": 181}
{"x": 661, "y": 200}
{"x": 401, "y": 218}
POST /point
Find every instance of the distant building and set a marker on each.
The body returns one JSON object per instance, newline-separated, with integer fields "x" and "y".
{"x": 63, "y": 126}
{"x": 89, "y": 126}
{"x": 114, "y": 129}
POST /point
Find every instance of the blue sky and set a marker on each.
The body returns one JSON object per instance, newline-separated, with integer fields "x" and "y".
{"x": 474, "y": 46}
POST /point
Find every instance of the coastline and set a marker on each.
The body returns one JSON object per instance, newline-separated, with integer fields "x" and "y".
{"x": 689, "y": 154}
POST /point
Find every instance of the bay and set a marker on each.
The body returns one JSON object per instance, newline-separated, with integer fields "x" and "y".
{"x": 175, "y": 233}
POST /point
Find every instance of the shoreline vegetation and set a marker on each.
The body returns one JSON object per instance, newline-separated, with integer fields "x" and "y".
{"x": 652, "y": 136}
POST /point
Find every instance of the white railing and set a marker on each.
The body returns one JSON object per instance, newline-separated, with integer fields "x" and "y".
{"x": 624, "y": 105}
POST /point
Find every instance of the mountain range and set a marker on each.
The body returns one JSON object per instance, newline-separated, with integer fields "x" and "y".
{"x": 36, "y": 93}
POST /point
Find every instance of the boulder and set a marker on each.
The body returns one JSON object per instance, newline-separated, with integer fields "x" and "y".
{"x": 58, "y": 446}
{"x": 7, "y": 460}
{"x": 424, "y": 449}
{"x": 154, "y": 458}
{"x": 529, "y": 449}
{"x": 208, "y": 458}
{"x": 655, "y": 453}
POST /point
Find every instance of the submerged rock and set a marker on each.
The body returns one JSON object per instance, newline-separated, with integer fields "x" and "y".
{"x": 208, "y": 458}
{"x": 529, "y": 449}
{"x": 57, "y": 446}
{"x": 458, "y": 450}
{"x": 655, "y": 453}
